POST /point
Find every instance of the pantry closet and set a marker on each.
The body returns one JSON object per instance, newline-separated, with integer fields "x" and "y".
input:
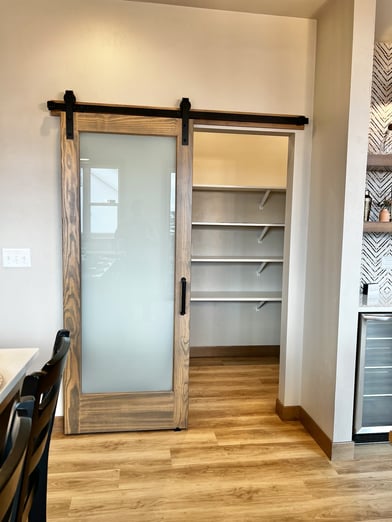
{"x": 238, "y": 226}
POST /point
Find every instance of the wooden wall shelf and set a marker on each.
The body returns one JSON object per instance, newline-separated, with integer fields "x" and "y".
{"x": 376, "y": 226}
{"x": 379, "y": 161}
{"x": 237, "y": 263}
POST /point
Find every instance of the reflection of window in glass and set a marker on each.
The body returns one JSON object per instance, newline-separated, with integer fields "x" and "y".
{"x": 172, "y": 202}
{"x": 104, "y": 200}
{"x": 100, "y": 199}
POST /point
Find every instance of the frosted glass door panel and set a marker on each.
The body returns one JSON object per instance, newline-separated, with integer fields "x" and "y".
{"x": 127, "y": 266}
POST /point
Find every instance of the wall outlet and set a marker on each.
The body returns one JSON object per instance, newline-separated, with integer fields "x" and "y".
{"x": 16, "y": 258}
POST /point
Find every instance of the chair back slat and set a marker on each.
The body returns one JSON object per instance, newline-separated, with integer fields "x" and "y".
{"x": 12, "y": 465}
{"x": 44, "y": 386}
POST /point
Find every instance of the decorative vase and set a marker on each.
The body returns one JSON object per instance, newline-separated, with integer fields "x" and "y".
{"x": 384, "y": 216}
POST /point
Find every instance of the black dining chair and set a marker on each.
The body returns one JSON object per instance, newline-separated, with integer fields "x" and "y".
{"x": 44, "y": 386}
{"x": 12, "y": 463}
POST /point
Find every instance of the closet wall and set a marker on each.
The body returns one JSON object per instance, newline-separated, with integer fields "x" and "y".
{"x": 237, "y": 242}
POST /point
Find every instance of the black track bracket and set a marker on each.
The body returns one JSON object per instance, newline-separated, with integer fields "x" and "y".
{"x": 185, "y": 107}
{"x": 69, "y": 99}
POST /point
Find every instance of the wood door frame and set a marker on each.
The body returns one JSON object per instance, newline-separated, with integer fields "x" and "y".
{"x": 291, "y": 133}
{"x": 172, "y": 407}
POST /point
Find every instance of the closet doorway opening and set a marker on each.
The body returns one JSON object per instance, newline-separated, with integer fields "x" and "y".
{"x": 238, "y": 228}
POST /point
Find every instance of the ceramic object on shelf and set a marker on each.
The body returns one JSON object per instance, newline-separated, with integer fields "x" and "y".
{"x": 384, "y": 216}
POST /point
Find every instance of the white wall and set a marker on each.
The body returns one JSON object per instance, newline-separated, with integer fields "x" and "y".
{"x": 113, "y": 51}
{"x": 357, "y": 146}
{"x": 341, "y": 118}
{"x": 239, "y": 159}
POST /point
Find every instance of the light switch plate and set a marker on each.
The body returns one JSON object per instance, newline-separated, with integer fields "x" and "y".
{"x": 16, "y": 258}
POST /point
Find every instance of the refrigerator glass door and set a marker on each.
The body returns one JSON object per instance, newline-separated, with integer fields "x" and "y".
{"x": 373, "y": 401}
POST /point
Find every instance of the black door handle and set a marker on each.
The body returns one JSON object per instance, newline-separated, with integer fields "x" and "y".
{"x": 183, "y": 295}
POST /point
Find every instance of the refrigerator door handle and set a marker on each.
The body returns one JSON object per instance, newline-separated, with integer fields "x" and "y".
{"x": 377, "y": 317}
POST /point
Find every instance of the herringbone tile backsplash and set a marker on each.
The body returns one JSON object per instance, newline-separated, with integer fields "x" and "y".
{"x": 375, "y": 246}
{"x": 380, "y": 140}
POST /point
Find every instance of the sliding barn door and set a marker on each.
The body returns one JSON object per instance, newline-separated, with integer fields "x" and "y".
{"x": 126, "y": 189}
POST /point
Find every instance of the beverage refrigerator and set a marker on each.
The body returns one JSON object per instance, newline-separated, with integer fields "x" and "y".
{"x": 373, "y": 392}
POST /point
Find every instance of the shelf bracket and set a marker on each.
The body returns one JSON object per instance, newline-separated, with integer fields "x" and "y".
{"x": 263, "y": 234}
{"x": 264, "y": 200}
{"x": 261, "y": 267}
{"x": 260, "y": 305}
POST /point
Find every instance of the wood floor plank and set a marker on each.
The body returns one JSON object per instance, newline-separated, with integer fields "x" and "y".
{"x": 96, "y": 480}
{"x": 237, "y": 462}
{"x": 239, "y": 473}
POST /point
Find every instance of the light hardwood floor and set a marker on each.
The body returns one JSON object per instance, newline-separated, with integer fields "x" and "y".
{"x": 236, "y": 462}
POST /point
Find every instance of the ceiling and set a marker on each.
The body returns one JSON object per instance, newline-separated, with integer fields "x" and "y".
{"x": 295, "y": 8}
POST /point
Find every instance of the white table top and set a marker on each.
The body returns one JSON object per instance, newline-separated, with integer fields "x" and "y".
{"x": 14, "y": 363}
